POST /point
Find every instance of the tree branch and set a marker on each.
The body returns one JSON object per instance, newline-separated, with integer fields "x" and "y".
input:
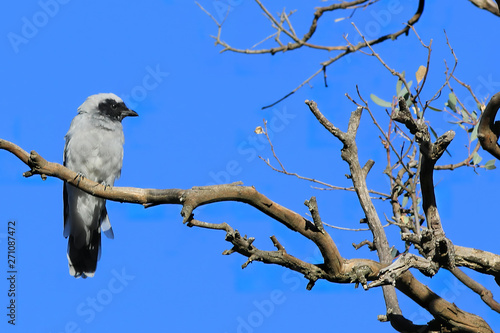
{"x": 349, "y": 153}
{"x": 437, "y": 247}
{"x": 489, "y": 129}
{"x": 350, "y": 270}
{"x": 298, "y": 43}
{"x": 485, "y": 294}
{"x": 391, "y": 273}
{"x": 481, "y": 261}
{"x": 244, "y": 246}
{"x": 488, "y": 5}
{"x": 441, "y": 309}
{"x": 335, "y": 268}
{"x": 312, "y": 204}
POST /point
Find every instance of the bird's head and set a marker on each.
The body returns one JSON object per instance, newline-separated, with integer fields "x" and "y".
{"x": 107, "y": 105}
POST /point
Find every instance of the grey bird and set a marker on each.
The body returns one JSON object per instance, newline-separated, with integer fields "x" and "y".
{"x": 94, "y": 149}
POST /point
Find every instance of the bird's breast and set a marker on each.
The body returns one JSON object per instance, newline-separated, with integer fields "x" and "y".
{"x": 97, "y": 153}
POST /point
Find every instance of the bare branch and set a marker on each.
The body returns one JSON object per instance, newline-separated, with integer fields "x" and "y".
{"x": 438, "y": 307}
{"x": 376, "y": 55}
{"x": 350, "y": 271}
{"x": 313, "y": 208}
{"x": 485, "y": 294}
{"x": 441, "y": 250}
{"x": 244, "y": 246}
{"x": 349, "y": 153}
{"x": 489, "y": 129}
{"x": 478, "y": 260}
{"x": 298, "y": 43}
{"x": 283, "y": 170}
{"x": 325, "y": 122}
{"x": 488, "y": 5}
{"x": 391, "y": 273}
{"x": 351, "y": 229}
{"x": 191, "y": 199}
{"x": 365, "y": 242}
{"x": 277, "y": 25}
{"x": 465, "y": 162}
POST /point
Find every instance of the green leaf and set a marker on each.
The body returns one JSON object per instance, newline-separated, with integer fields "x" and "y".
{"x": 399, "y": 84}
{"x": 404, "y": 91}
{"x": 459, "y": 123}
{"x": 452, "y": 98}
{"x": 490, "y": 165}
{"x": 476, "y": 159}
{"x": 433, "y": 132}
{"x": 408, "y": 100}
{"x": 474, "y": 115}
{"x": 473, "y": 135}
{"x": 465, "y": 116}
{"x": 452, "y": 102}
{"x": 434, "y": 109}
{"x": 394, "y": 252}
{"x": 380, "y": 101}
{"x": 405, "y": 201}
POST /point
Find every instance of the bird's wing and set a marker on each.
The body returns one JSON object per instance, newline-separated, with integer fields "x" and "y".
{"x": 66, "y": 211}
{"x": 105, "y": 224}
{"x": 65, "y": 198}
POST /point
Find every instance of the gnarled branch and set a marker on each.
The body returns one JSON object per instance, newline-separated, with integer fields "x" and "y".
{"x": 489, "y": 129}
{"x": 334, "y": 269}
{"x": 437, "y": 247}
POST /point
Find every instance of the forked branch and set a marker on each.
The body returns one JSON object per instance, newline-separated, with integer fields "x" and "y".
{"x": 334, "y": 269}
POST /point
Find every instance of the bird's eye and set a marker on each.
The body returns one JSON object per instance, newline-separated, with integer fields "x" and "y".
{"x": 114, "y": 106}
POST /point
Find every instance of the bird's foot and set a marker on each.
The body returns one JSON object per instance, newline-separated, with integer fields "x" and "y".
{"x": 106, "y": 185}
{"x": 79, "y": 176}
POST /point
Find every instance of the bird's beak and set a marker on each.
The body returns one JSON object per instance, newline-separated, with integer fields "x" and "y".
{"x": 129, "y": 113}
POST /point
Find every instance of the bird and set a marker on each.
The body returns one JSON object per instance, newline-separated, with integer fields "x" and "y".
{"x": 94, "y": 150}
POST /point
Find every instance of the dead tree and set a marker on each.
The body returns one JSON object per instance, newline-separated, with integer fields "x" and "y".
{"x": 435, "y": 250}
{"x": 412, "y": 159}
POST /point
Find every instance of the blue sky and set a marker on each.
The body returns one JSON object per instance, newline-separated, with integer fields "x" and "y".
{"x": 198, "y": 110}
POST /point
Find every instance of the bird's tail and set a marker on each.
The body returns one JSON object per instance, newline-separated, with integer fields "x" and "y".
{"x": 83, "y": 260}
